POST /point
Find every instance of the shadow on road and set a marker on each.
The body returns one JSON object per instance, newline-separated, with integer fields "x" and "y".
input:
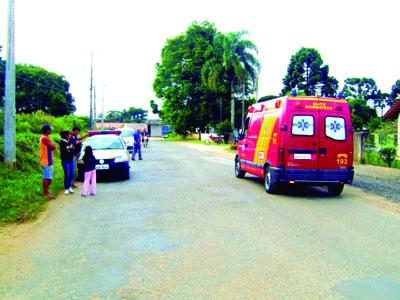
{"x": 297, "y": 191}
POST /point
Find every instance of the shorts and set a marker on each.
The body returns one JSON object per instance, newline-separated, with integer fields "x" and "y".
{"x": 48, "y": 172}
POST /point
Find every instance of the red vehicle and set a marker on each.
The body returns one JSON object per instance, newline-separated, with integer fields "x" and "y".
{"x": 298, "y": 139}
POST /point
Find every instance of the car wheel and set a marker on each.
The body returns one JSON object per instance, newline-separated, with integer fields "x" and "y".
{"x": 126, "y": 175}
{"x": 270, "y": 186}
{"x": 335, "y": 189}
{"x": 238, "y": 171}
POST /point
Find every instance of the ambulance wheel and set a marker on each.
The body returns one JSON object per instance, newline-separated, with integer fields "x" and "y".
{"x": 270, "y": 186}
{"x": 238, "y": 171}
{"x": 335, "y": 189}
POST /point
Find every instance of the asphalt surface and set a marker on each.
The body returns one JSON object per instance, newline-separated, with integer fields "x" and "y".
{"x": 183, "y": 227}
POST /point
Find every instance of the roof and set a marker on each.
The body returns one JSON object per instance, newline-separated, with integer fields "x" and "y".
{"x": 393, "y": 112}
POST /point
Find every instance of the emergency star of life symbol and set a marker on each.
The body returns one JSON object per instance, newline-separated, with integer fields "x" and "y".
{"x": 335, "y": 126}
{"x": 303, "y": 125}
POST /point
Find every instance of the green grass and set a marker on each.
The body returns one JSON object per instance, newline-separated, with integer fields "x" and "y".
{"x": 21, "y": 196}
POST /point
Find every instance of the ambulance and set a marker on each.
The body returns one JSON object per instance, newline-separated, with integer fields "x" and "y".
{"x": 297, "y": 140}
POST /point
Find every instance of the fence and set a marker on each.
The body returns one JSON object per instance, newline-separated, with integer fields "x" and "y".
{"x": 367, "y": 146}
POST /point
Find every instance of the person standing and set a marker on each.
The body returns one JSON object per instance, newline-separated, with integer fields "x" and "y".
{"x": 137, "y": 146}
{"x": 77, "y": 142}
{"x": 67, "y": 160}
{"x": 47, "y": 149}
{"x": 89, "y": 167}
{"x": 145, "y": 138}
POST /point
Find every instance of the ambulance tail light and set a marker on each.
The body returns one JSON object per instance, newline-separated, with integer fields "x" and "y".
{"x": 281, "y": 155}
{"x": 278, "y": 103}
{"x": 299, "y": 105}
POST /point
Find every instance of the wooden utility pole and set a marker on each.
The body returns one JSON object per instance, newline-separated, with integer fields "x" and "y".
{"x": 9, "y": 105}
{"x": 91, "y": 93}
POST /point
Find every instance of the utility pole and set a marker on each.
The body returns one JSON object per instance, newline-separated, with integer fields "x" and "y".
{"x": 9, "y": 105}
{"x": 102, "y": 109}
{"x": 91, "y": 93}
{"x": 94, "y": 107}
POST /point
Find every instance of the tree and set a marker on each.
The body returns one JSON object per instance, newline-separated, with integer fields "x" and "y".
{"x": 360, "y": 88}
{"x": 178, "y": 81}
{"x": 240, "y": 66}
{"x": 307, "y": 72}
{"x": 362, "y": 115}
{"x": 39, "y": 89}
{"x": 395, "y": 95}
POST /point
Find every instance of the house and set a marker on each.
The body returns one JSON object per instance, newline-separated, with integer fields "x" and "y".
{"x": 154, "y": 127}
{"x": 393, "y": 114}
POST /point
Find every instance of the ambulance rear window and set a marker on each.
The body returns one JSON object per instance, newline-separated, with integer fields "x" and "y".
{"x": 303, "y": 125}
{"x": 335, "y": 128}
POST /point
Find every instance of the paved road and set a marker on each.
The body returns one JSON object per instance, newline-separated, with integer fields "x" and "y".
{"x": 184, "y": 227}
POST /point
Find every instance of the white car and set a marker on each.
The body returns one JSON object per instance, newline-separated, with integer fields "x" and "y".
{"x": 112, "y": 156}
{"x": 127, "y": 136}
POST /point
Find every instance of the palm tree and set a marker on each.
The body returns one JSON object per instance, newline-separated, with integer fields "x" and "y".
{"x": 240, "y": 65}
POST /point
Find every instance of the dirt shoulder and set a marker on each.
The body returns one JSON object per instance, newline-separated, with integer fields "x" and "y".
{"x": 378, "y": 180}
{"x": 372, "y": 179}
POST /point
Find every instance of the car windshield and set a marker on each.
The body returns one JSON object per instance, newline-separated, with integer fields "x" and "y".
{"x": 126, "y": 133}
{"x": 105, "y": 142}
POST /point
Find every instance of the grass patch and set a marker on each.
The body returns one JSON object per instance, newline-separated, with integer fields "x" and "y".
{"x": 21, "y": 191}
{"x": 21, "y": 196}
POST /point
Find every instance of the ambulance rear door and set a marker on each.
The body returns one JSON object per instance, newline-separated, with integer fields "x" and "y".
{"x": 301, "y": 145}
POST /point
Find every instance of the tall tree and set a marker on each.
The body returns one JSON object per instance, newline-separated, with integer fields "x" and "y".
{"x": 240, "y": 66}
{"x": 39, "y": 89}
{"x": 307, "y": 72}
{"x": 178, "y": 80}
{"x": 360, "y": 88}
{"x": 395, "y": 95}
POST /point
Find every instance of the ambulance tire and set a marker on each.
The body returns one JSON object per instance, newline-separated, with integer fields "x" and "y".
{"x": 238, "y": 171}
{"x": 270, "y": 186}
{"x": 335, "y": 189}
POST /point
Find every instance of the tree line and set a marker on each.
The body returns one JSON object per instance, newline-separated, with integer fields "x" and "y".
{"x": 206, "y": 77}
{"x": 38, "y": 89}
{"x": 130, "y": 115}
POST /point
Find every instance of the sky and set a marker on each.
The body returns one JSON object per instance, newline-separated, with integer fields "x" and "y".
{"x": 356, "y": 38}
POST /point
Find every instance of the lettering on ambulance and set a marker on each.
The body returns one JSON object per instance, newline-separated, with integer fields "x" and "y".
{"x": 264, "y": 139}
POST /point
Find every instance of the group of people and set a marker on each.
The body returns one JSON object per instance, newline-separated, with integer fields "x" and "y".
{"x": 70, "y": 147}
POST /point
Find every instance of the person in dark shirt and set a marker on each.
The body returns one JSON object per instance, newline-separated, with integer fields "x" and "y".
{"x": 89, "y": 167}
{"x": 77, "y": 142}
{"x": 67, "y": 160}
{"x": 137, "y": 146}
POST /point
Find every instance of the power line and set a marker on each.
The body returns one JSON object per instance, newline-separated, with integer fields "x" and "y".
{"x": 43, "y": 85}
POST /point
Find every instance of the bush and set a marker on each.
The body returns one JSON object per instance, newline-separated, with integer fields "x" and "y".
{"x": 388, "y": 154}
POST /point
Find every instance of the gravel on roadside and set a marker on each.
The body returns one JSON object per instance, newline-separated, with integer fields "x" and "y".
{"x": 378, "y": 180}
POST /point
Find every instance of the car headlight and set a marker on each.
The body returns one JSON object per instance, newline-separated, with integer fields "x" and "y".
{"x": 121, "y": 159}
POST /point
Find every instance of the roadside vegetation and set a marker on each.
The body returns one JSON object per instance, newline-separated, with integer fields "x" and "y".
{"x": 21, "y": 189}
